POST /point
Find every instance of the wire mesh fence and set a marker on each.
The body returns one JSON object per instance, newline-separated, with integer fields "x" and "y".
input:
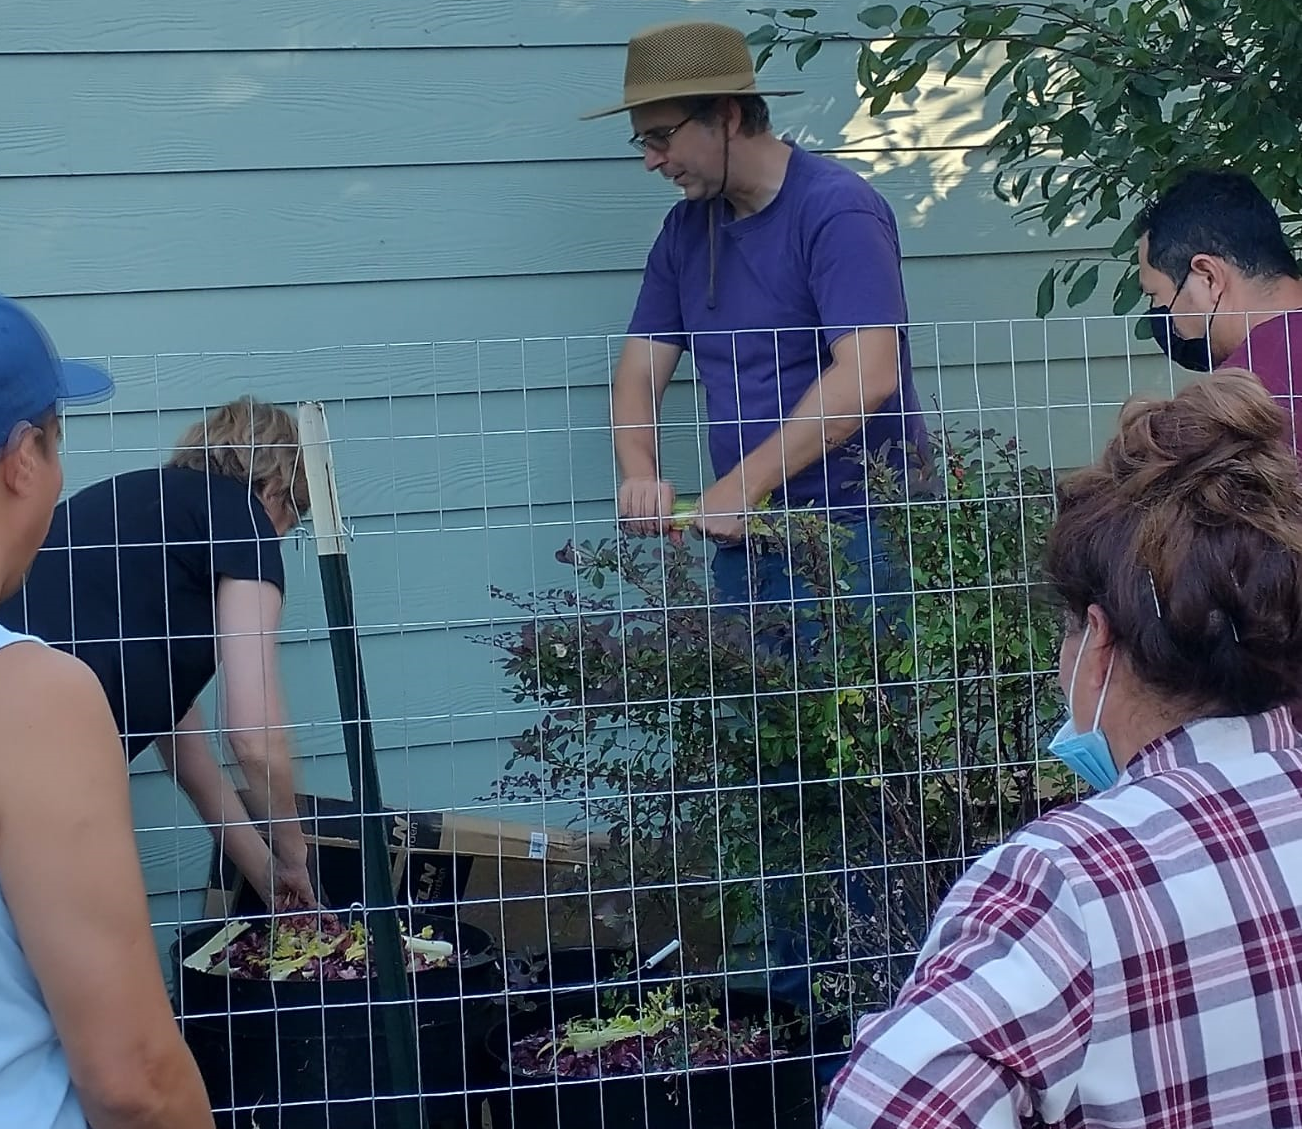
{"x": 652, "y": 851}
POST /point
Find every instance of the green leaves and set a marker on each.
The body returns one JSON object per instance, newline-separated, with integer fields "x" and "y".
{"x": 914, "y": 18}
{"x": 914, "y": 745}
{"x": 1129, "y": 95}
{"x": 867, "y": 69}
{"x": 1206, "y": 11}
{"x": 1046, "y": 292}
{"x": 1126, "y": 294}
{"x": 1084, "y": 286}
{"x": 1074, "y": 134}
{"x": 910, "y": 78}
{"x": 879, "y": 15}
{"x": 807, "y": 50}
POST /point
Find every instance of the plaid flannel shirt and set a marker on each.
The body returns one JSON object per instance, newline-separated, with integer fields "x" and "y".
{"x": 1134, "y": 960}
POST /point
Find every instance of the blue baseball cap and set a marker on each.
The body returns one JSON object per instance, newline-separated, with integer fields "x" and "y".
{"x": 33, "y": 378}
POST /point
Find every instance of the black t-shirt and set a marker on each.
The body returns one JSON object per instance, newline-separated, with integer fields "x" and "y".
{"x": 127, "y": 581}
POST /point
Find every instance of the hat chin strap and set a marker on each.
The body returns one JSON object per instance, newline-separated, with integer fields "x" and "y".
{"x": 723, "y": 187}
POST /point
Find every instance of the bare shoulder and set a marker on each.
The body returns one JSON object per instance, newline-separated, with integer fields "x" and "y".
{"x": 40, "y": 685}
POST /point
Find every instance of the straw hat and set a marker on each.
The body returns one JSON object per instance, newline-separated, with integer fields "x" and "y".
{"x": 685, "y": 59}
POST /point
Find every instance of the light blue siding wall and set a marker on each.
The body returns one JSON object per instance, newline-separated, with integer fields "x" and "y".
{"x": 274, "y": 196}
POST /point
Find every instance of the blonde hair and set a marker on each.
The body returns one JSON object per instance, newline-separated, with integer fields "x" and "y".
{"x": 252, "y": 441}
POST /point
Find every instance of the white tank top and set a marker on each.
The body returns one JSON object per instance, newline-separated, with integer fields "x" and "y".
{"x": 35, "y": 1087}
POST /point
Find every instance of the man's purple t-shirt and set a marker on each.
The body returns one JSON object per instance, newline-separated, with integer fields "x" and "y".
{"x": 1273, "y": 351}
{"x": 821, "y": 260}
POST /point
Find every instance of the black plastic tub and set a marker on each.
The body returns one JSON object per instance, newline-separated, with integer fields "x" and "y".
{"x": 778, "y": 1093}
{"x": 272, "y": 1052}
{"x": 574, "y": 968}
{"x": 577, "y": 966}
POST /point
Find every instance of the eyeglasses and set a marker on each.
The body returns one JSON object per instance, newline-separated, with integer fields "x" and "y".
{"x": 657, "y": 139}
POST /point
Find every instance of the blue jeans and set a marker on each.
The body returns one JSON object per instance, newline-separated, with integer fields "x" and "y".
{"x": 867, "y": 550}
{"x": 743, "y": 578}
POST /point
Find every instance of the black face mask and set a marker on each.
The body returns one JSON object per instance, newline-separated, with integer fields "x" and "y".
{"x": 1192, "y": 353}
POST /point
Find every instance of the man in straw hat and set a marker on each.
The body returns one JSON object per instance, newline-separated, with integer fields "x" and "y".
{"x": 780, "y": 271}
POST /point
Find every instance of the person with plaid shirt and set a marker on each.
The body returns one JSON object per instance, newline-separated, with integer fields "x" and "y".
{"x": 1135, "y": 959}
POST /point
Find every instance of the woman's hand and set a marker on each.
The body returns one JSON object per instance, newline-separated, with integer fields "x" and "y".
{"x": 290, "y": 883}
{"x": 283, "y": 884}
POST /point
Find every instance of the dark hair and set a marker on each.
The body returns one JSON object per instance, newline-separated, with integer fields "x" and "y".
{"x": 45, "y": 421}
{"x": 1187, "y": 532}
{"x": 1221, "y": 213}
{"x": 48, "y": 422}
{"x": 709, "y": 108}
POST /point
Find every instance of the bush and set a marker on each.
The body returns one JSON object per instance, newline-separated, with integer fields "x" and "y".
{"x": 759, "y": 763}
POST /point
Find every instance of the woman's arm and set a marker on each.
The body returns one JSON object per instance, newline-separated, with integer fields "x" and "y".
{"x": 995, "y": 1021}
{"x": 194, "y": 767}
{"x": 248, "y": 618}
{"x": 71, "y": 878}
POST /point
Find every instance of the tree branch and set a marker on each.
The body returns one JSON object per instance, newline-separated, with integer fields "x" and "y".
{"x": 1189, "y": 78}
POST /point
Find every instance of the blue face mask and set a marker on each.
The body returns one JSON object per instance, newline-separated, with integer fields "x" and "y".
{"x": 1086, "y": 754}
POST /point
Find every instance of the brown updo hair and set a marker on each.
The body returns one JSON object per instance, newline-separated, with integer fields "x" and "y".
{"x": 1187, "y": 533}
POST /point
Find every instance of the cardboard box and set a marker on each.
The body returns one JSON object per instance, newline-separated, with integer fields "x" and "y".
{"x": 526, "y": 885}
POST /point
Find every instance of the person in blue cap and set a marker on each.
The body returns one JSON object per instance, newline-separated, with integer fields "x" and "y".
{"x": 87, "y": 1035}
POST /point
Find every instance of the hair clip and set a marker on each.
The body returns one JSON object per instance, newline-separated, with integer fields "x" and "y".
{"x": 1157, "y": 607}
{"x": 1234, "y": 627}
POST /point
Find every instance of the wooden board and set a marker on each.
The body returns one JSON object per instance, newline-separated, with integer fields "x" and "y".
{"x": 250, "y": 25}
{"x": 455, "y": 472}
{"x": 150, "y": 340}
{"x": 427, "y": 686}
{"x": 314, "y": 728}
{"x": 473, "y": 454}
{"x": 215, "y": 230}
{"x": 325, "y": 316}
{"x": 508, "y": 383}
{"x": 212, "y": 111}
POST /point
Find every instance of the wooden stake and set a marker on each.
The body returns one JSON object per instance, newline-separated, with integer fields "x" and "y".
{"x": 401, "y": 1061}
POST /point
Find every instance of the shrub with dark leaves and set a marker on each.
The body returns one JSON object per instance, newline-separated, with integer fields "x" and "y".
{"x": 816, "y": 769}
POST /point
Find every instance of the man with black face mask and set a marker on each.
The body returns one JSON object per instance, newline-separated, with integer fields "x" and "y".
{"x": 1226, "y": 286}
